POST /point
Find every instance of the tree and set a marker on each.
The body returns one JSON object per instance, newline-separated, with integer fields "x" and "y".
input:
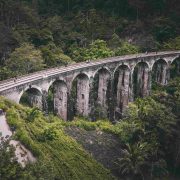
{"x": 98, "y": 49}
{"x": 172, "y": 44}
{"x": 133, "y": 160}
{"x": 126, "y": 48}
{"x": 25, "y": 59}
{"x": 54, "y": 56}
{"x": 138, "y": 5}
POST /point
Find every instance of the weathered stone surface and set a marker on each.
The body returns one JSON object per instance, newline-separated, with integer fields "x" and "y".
{"x": 60, "y": 99}
{"x": 104, "y": 78}
{"x": 160, "y": 72}
{"x": 83, "y": 95}
{"x": 123, "y": 88}
{"x": 142, "y": 80}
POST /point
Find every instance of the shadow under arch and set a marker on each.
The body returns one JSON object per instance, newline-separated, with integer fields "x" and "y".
{"x": 159, "y": 72}
{"x": 101, "y": 94}
{"x": 141, "y": 79}
{"x": 31, "y": 97}
{"x": 121, "y": 89}
{"x": 79, "y": 96}
{"x": 58, "y": 99}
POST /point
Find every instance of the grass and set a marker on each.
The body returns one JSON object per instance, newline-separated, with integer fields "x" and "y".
{"x": 58, "y": 154}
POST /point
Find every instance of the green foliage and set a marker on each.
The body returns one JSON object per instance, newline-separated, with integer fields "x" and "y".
{"x": 9, "y": 167}
{"x": 33, "y": 114}
{"x": 80, "y": 30}
{"x": 172, "y": 44}
{"x": 134, "y": 158}
{"x": 98, "y": 49}
{"x": 126, "y": 48}
{"x": 60, "y": 154}
{"x": 49, "y": 134}
{"x": 25, "y": 59}
{"x": 163, "y": 29}
{"x": 54, "y": 56}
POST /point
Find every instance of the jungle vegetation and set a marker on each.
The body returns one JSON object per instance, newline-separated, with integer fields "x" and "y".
{"x": 38, "y": 34}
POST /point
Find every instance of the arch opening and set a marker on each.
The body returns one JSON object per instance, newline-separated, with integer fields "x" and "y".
{"x": 58, "y": 98}
{"x": 121, "y": 90}
{"x": 159, "y": 72}
{"x": 79, "y": 96}
{"x": 100, "y": 94}
{"x": 32, "y": 97}
{"x": 141, "y": 80}
{"x": 175, "y": 68}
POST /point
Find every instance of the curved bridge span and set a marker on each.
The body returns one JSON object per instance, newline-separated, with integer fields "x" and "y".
{"x": 107, "y": 85}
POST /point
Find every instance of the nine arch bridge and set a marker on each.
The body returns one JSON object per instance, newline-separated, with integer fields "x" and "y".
{"x": 107, "y": 85}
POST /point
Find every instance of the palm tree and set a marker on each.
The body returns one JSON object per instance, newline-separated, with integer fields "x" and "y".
{"x": 134, "y": 158}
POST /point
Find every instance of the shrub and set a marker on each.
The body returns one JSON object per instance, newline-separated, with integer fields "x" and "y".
{"x": 48, "y": 134}
{"x": 126, "y": 48}
{"x": 33, "y": 114}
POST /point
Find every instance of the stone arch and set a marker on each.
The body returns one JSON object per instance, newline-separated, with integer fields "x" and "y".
{"x": 159, "y": 71}
{"x": 100, "y": 93}
{"x": 122, "y": 77}
{"x": 58, "y": 98}
{"x": 31, "y": 96}
{"x": 79, "y": 95}
{"x": 118, "y": 66}
{"x": 175, "y": 58}
{"x": 78, "y": 74}
{"x": 53, "y": 81}
{"x": 140, "y": 62}
{"x": 100, "y": 68}
{"x": 175, "y": 67}
{"x": 141, "y": 80}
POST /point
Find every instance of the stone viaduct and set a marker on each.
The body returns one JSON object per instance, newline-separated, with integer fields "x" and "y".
{"x": 105, "y": 86}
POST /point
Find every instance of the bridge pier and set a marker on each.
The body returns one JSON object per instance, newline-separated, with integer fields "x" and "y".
{"x": 103, "y": 88}
{"x": 141, "y": 80}
{"x": 123, "y": 89}
{"x": 160, "y": 72}
{"x": 83, "y": 90}
{"x": 60, "y": 99}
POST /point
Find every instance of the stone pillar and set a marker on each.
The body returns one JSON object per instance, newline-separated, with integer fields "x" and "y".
{"x": 142, "y": 81}
{"x": 164, "y": 74}
{"x": 44, "y": 101}
{"x": 161, "y": 73}
{"x": 131, "y": 87}
{"x": 102, "y": 89}
{"x": 123, "y": 89}
{"x": 145, "y": 83}
{"x": 60, "y": 100}
{"x": 91, "y": 98}
{"x": 111, "y": 101}
{"x": 178, "y": 67}
{"x": 83, "y": 90}
{"x": 150, "y": 83}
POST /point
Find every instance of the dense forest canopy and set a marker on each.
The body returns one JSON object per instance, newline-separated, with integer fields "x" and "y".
{"x": 76, "y": 30}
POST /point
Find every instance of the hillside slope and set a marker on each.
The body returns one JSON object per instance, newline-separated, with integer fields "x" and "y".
{"x": 56, "y": 152}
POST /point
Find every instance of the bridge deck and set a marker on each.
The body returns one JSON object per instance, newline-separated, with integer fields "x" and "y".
{"x": 10, "y": 83}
